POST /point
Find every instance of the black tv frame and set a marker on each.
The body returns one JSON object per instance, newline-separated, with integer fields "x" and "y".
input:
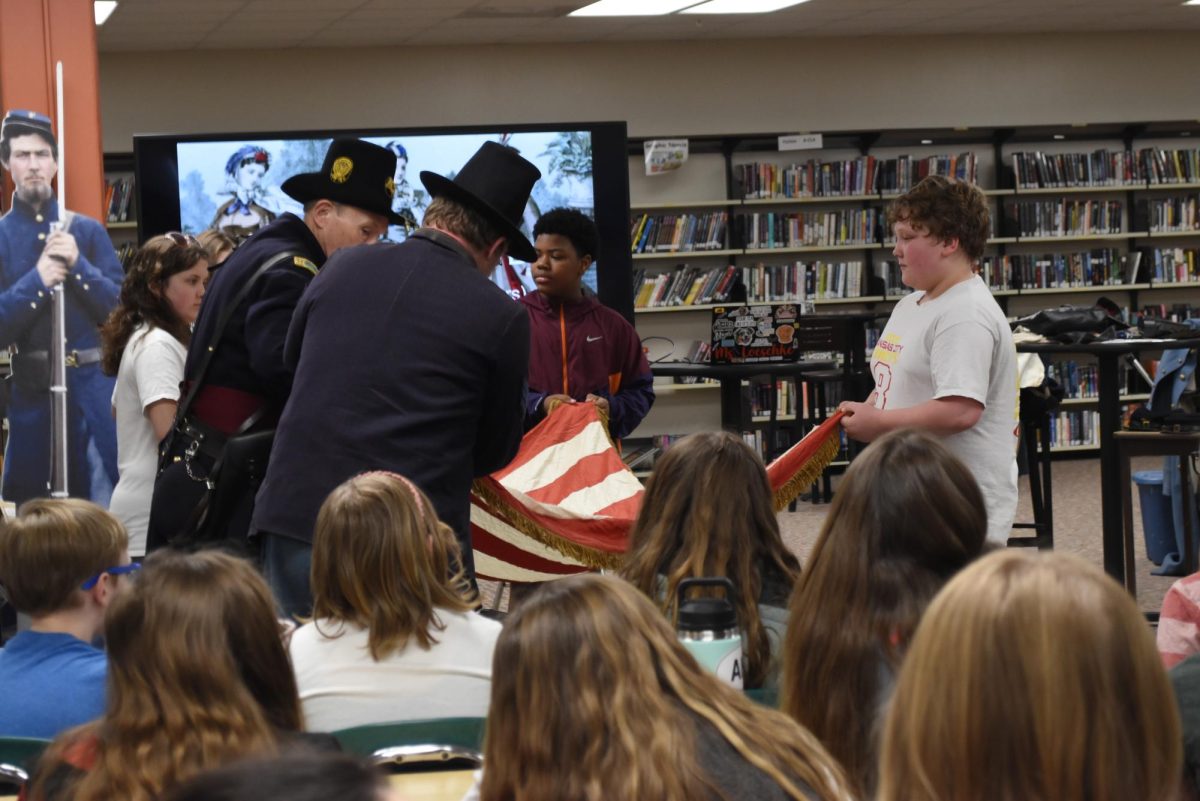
{"x": 156, "y": 171}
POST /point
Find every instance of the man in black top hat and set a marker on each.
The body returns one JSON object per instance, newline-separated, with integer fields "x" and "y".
{"x": 407, "y": 359}
{"x": 39, "y": 249}
{"x": 237, "y": 363}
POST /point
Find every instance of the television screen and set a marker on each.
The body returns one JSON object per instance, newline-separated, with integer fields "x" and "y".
{"x": 232, "y": 182}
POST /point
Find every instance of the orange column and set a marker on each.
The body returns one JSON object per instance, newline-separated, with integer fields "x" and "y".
{"x": 34, "y": 35}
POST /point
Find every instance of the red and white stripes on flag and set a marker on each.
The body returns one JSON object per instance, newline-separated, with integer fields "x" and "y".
{"x": 564, "y": 505}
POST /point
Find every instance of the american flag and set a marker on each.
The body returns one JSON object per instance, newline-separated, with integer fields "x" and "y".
{"x": 564, "y": 505}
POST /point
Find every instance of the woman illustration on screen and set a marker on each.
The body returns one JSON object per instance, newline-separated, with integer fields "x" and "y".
{"x": 409, "y": 202}
{"x": 251, "y": 205}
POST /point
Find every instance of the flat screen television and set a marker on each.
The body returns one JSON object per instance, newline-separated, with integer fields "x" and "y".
{"x": 191, "y": 182}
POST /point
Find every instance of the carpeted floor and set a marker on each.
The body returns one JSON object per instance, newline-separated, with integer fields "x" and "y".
{"x": 1076, "y": 484}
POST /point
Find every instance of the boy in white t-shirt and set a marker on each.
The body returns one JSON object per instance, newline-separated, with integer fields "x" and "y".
{"x": 946, "y": 362}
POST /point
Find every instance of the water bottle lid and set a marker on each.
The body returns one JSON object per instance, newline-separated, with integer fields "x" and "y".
{"x": 706, "y": 613}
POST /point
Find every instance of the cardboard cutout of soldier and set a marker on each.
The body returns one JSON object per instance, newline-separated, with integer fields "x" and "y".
{"x": 34, "y": 257}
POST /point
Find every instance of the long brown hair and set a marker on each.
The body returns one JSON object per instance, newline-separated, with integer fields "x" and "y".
{"x": 142, "y": 295}
{"x": 594, "y": 698}
{"x": 708, "y": 511}
{"x": 382, "y": 561}
{"x": 907, "y": 516}
{"x": 197, "y": 677}
{"x": 1032, "y": 677}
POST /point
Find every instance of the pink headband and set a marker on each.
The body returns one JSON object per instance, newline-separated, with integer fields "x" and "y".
{"x": 416, "y": 493}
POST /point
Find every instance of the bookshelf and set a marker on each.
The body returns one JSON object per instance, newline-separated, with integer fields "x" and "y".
{"x": 121, "y": 220}
{"x": 1119, "y": 169}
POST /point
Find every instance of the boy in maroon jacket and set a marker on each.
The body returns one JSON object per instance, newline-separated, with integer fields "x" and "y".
{"x": 580, "y": 350}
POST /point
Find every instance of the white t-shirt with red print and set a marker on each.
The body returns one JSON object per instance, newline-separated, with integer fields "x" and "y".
{"x": 959, "y": 344}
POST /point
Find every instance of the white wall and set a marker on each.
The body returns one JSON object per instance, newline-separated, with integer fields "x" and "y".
{"x": 660, "y": 88}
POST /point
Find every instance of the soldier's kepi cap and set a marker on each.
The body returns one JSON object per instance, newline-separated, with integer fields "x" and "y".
{"x": 496, "y": 182}
{"x": 19, "y": 122}
{"x": 355, "y": 173}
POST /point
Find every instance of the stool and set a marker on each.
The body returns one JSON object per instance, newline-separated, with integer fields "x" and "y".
{"x": 1156, "y": 443}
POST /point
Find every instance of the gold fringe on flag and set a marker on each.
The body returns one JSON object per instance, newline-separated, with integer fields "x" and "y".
{"x": 803, "y": 463}
{"x": 502, "y": 508}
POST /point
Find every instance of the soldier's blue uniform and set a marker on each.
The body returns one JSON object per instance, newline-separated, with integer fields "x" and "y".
{"x": 248, "y": 373}
{"x": 92, "y": 289}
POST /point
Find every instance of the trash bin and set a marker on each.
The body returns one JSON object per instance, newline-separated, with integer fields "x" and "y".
{"x": 1158, "y": 522}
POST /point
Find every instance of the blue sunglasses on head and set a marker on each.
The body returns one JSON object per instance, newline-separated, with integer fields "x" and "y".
{"x": 132, "y": 567}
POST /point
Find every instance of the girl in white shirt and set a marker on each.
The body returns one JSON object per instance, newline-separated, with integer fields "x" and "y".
{"x": 145, "y": 345}
{"x": 394, "y": 636}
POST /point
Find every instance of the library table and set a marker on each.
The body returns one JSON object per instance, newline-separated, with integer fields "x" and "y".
{"x": 438, "y": 785}
{"x": 1108, "y": 355}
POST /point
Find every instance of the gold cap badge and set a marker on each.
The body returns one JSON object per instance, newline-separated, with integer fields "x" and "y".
{"x": 390, "y": 186}
{"x": 339, "y": 173}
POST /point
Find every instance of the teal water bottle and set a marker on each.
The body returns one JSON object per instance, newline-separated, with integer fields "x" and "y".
{"x": 708, "y": 627}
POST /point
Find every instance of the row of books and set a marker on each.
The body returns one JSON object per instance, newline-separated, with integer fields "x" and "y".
{"x": 652, "y": 233}
{"x": 684, "y": 286}
{"x": 1103, "y": 267}
{"x": 1173, "y": 214}
{"x": 1162, "y": 166}
{"x": 118, "y": 194}
{"x": 865, "y": 175}
{"x": 1064, "y": 217}
{"x": 125, "y": 253}
{"x": 1077, "y": 380}
{"x": 788, "y": 402}
{"x": 807, "y": 229}
{"x": 811, "y": 179}
{"x": 1037, "y": 170}
{"x": 1074, "y": 428}
{"x": 1176, "y": 312}
{"x": 818, "y": 280}
{"x": 1174, "y": 265}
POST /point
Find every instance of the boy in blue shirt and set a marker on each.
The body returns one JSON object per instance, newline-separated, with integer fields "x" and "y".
{"x": 61, "y": 562}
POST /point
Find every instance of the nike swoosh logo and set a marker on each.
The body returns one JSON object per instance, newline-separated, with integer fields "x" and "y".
{"x": 594, "y": 339}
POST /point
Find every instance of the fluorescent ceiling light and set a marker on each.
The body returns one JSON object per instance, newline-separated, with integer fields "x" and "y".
{"x": 103, "y": 9}
{"x": 631, "y": 8}
{"x": 927, "y": 141}
{"x": 742, "y": 6}
{"x": 1192, "y": 3}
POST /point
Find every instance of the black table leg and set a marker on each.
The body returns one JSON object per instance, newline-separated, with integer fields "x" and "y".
{"x": 1110, "y": 468}
{"x": 731, "y": 404}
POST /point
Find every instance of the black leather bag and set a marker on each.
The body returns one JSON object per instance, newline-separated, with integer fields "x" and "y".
{"x": 222, "y": 513}
{"x": 1069, "y": 320}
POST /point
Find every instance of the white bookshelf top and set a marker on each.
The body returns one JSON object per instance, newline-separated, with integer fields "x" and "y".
{"x": 683, "y": 204}
{"x": 1077, "y": 190}
{"x": 808, "y": 249}
{"x": 781, "y": 201}
{"x": 1072, "y": 289}
{"x": 1081, "y": 237}
{"x": 695, "y": 254}
{"x": 1168, "y": 234}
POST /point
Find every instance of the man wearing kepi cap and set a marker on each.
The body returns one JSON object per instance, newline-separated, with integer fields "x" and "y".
{"x": 407, "y": 359}
{"x": 235, "y": 363}
{"x": 35, "y": 256}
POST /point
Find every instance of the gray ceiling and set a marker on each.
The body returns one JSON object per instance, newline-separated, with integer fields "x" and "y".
{"x": 271, "y": 24}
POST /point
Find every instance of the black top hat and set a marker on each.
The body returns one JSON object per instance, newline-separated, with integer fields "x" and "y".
{"x": 18, "y": 122}
{"x": 496, "y": 182}
{"x": 355, "y": 173}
